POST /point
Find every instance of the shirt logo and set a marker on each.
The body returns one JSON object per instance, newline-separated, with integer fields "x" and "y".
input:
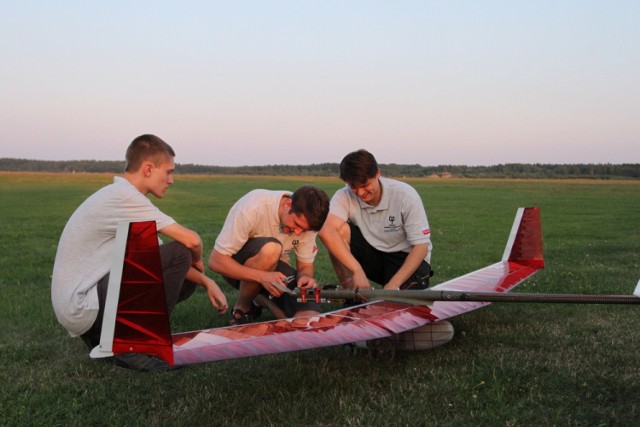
{"x": 391, "y": 227}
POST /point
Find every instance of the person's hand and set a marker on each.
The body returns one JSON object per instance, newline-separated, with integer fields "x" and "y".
{"x": 273, "y": 282}
{"x": 306, "y": 282}
{"x": 360, "y": 281}
{"x": 216, "y": 297}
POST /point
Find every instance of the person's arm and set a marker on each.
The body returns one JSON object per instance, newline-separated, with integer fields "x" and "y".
{"x": 188, "y": 238}
{"x": 416, "y": 228}
{"x": 410, "y": 265}
{"x": 229, "y": 267}
{"x": 191, "y": 240}
{"x": 338, "y": 248}
{"x": 215, "y": 295}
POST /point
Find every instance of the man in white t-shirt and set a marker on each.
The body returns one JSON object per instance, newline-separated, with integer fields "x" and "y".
{"x": 377, "y": 229}
{"x": 253, "y": 250}
{"x": 83, "y": 259}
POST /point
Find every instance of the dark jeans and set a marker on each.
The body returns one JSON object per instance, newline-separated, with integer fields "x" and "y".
{"x": 175, "y": 259}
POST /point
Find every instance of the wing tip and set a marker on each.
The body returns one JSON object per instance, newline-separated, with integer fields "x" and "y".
{"x": 525, "y": 241}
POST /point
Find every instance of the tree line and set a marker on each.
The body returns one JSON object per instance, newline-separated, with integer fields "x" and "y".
{"x": 509, "y": 170}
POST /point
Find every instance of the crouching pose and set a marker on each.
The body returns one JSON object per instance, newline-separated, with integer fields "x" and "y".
{"x": 253, "y": 250}
{"x": 83, "y": 259}
{"x": 377, "y": 229}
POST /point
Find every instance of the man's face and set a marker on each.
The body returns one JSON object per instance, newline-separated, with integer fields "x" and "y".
{"x": 161, "y": 177}
{"x": 292, "y": 223}
{"x": 368, "y": 191}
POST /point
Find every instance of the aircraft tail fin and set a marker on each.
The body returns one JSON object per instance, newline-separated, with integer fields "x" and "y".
{"x": 136, "y": 318}
{"x": 525, "y": 241}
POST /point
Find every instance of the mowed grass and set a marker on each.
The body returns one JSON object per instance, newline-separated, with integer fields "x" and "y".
{"x": 509, "y": 364}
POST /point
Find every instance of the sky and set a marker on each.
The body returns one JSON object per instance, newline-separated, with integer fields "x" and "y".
{"x": 248, "y": 82}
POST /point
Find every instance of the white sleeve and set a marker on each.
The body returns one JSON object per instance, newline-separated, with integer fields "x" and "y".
{"x": 339, "y": 205}
{"x": 415, "y": 221}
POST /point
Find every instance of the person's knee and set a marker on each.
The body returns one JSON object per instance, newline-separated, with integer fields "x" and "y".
{"x": 175, "y": 253}
{"x": 183, "y": 252}
{"x": 270, "y": 253}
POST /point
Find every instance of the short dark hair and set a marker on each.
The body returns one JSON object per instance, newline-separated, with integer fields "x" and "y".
{"x": 358, "y": 167}
{"x": 147, "y": 147}
{"x": 311, "y": 202}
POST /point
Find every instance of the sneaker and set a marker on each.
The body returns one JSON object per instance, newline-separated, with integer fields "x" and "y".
{"x": 142, "y": 362}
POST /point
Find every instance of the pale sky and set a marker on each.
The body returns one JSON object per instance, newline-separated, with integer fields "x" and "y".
{"x": 298, "y": 82}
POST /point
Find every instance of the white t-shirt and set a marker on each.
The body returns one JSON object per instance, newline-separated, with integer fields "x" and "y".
{"x": 395, "y": 225}
{"x": 85, "y": 250}
{"x": 256, "y": 215}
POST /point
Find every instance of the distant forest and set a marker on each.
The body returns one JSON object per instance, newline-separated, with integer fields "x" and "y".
{"x": 509, "y": 170}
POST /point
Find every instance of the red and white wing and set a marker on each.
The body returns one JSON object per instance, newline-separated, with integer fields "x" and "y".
{"x": 365, "y": 322}
{"x": 378, "y": 319}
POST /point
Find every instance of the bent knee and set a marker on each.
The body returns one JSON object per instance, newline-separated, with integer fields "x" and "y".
{"x": 270, "y": 252}
{"x": 176, "y": 252}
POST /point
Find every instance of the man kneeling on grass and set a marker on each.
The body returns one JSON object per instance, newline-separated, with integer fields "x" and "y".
{"x": 81, "y": 269}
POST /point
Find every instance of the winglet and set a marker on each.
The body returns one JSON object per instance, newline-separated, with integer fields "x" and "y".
{"x": 636, "y": 292}
{"x": 525, "y": 241}
{"x": 136, "y": 319}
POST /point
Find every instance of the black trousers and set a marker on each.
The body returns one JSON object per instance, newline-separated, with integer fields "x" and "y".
{"x": 381, "y": 266}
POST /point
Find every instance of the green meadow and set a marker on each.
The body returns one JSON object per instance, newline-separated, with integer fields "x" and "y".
{"x": 508, "y": 364}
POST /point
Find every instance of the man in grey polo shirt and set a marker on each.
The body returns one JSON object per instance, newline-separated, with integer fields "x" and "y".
{"x": 377, "y": 229}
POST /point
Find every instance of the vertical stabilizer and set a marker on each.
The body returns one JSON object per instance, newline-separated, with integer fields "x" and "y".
{"x": 136, "y": 319}
{"x": 525, "y": 241}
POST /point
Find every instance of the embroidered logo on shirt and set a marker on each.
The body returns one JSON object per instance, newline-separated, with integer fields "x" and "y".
{"x": 391, "y": 226}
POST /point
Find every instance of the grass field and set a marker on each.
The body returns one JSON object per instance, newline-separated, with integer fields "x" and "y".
{"x": 508, "y": 365}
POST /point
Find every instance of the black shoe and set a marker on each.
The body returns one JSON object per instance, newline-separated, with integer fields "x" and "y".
{"x": 239, "y": 317}
{"x": 142, "y": 362}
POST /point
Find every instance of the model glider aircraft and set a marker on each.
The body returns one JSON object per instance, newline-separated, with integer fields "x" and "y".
{"x": 136, "y": 318}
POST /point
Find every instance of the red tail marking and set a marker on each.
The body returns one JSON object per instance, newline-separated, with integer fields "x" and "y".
{"x": 527, "y": 246}
{"x": 142, "y": 321}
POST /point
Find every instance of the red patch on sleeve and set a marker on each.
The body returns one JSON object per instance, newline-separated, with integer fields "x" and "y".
{"x": 426, "y": 231}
